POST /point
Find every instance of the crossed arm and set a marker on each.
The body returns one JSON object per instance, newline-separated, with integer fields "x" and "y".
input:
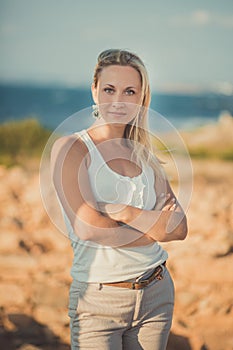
{"x": 166, "y": 222}
{"x": 99, "y": 222}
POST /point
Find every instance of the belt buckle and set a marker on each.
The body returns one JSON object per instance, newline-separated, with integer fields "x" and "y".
{"x": 143, "y": 283}
{"x": 156, "y": 275}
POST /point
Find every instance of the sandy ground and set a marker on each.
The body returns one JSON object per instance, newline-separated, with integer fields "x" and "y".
{"x": 35, "y": 261}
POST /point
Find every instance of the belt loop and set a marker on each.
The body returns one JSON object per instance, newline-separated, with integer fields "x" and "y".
{"x": 100, "y": 286}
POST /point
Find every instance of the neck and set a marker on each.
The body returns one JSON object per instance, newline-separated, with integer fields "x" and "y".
{"x": 103, "y": 131}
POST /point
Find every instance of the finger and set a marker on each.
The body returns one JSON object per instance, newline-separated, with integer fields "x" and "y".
{"x": 167, "y": 207}
{"x": 170, "y": 206}
{"x": 173, "y": 208}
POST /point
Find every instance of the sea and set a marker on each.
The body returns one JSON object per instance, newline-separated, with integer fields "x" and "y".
{"x": 51, "y": 105}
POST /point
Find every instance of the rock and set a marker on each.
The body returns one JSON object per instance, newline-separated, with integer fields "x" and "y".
{"x": 48, "y": 314}
{"x": 50, "y": 293}
{"x": 9, "y": 241}
{"x": 29, "y": 347}
{"x": 222, "y": 244}
{"x": 186, "y": 298}
{"x": 17, "y": 262}
{"x": 226, "y": 120}
{"x": 11, "y": 293}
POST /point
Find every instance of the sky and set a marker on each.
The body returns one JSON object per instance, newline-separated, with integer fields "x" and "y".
{"x": 186, "y": 45}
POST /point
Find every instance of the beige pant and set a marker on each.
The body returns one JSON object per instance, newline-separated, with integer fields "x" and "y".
{"x": 113, "y": 318}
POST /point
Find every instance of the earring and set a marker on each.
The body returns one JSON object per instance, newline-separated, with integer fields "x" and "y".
{"x": 96, "y": 112}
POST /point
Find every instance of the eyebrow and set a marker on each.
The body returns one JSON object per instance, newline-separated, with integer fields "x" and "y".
{"x": 128, "y": 87}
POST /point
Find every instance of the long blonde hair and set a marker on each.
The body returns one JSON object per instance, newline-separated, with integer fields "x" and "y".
{"x": 136, "y": 131}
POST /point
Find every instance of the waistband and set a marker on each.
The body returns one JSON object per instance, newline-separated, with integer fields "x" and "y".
{"x": 156, "y": 274}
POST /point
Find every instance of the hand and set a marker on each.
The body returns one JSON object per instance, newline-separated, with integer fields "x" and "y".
{"x": 166, "y": 202}
{"x": 113, "y": 211}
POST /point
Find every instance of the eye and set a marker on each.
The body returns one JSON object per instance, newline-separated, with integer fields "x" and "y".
{"x": 130, "y": 92}
{"x": 109, "y": 91}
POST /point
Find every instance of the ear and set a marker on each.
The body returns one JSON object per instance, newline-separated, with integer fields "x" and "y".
{"x": 94, "y": 93}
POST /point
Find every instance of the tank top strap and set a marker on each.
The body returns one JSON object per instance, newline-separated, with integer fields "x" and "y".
{"x": 94, "y": 153}
{"x": 86, "y": 139}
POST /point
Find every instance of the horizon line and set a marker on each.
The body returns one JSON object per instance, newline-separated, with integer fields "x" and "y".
{"x": 223, "y": 88}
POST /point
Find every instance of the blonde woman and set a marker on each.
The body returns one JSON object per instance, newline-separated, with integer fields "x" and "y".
{"x": 117, "y": 205}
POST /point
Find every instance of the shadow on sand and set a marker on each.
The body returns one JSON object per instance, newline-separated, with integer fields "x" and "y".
{"x": 178, "y": 342}
{"x": 27, "y": 334}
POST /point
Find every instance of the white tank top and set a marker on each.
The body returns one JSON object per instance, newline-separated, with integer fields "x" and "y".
{"x": 97, "y": 263}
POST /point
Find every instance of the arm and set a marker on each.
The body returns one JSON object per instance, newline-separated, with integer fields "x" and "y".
{"x": 70, "y": 178}
{"x": 166, "y": 222}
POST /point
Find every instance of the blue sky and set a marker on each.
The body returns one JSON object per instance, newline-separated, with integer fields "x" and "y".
{"x": 186, "y": 45}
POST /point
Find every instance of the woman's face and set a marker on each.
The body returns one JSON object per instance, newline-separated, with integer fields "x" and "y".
{"x": 118, "y": 93}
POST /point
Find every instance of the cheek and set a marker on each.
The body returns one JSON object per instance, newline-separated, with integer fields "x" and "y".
{"x": 137, "y": 99}
{"x": 102, "y": 99}
{"x": 132, "y": 110}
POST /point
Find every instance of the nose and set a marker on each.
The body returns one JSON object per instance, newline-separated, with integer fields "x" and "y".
{"x": 118, "y": 105}
{"x": 118, "y": 102}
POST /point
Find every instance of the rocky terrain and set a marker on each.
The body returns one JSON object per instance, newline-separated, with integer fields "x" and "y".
{"x": 35, "y": 261}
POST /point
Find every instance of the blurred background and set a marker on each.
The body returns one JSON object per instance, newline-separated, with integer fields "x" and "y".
{"x": 49, "y": 50}
{"x": 48, "y": 53}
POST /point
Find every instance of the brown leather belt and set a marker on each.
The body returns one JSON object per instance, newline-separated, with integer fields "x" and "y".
{"x": 157, "y": 274}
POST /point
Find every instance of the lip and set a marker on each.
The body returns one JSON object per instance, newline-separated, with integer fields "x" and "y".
{"x": 117, "y": 114}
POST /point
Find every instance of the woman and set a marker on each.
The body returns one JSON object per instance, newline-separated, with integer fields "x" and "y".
{"x": 117, "y": 205}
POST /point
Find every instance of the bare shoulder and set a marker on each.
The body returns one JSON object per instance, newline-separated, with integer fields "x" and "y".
{"x": 67, "y": 147}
